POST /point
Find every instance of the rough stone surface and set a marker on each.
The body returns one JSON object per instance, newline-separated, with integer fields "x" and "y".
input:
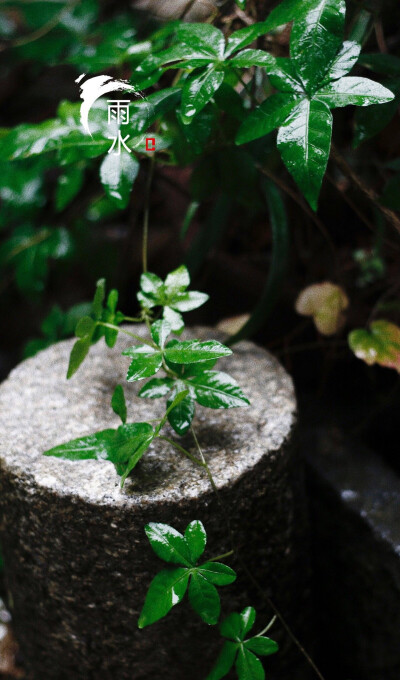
{"x": 78, "y": 563}
{"x": 355, "y": 503}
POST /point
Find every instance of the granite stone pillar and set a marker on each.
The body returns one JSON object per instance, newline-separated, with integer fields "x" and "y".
{"x": 77, "y": 561}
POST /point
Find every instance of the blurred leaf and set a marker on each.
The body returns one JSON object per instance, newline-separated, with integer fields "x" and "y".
{"x": 118, "y": 173}
{"x": 378, "y": 345}
{"x": 325, "y": 303}
{"x": 370, "y": 121}
{"x": 69, "y": 185}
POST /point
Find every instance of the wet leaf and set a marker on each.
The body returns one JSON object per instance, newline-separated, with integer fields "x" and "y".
{"x": 215, "y": 389}
{"x": 304, "y": 143}
{"x": 204, "y": 599}
{"x": 357, "y": 91}
{"x": 378, "y": 345}
{"x": 271, "y": 114}
{"x": 118, "y": 173}
{"x": 166, "y": 590}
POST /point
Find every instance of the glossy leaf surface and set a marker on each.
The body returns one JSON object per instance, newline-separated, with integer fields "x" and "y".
{"x": 304, "y": 143}
{"x": 118, "y": 403}
{"x": 357, "y": 91}
{"x": 264, "y": 119}
{"x": 215, "y": 389}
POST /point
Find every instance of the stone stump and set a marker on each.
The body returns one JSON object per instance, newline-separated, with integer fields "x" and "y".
{"x": 77, "y": 561}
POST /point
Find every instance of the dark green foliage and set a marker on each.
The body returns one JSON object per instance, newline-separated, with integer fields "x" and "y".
{"x": 169, "y": 586}
{"x": 241, "y": 651}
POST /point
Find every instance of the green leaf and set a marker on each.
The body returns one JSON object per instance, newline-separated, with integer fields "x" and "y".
{"x": 145, "y": 362}
{"x": 174, "y": 319}
{"x": 93, "y": 447}
{"x": 344, "y": 61}
{"x": 204, "y": 599}
{"x": 378, "y": 345}
{"x": 186, "y": 302}
{"x": 69, "y": 185}
{"x": 196, "y": 539}
{"x": 316, "y": 38}
{"x": 180, "y": 396}
{"x": 262, "y": 646}
{"x": 352, "y": 90}
{"x": 231, "y": 627}
{"x": 129, "y": 438}
{"x": 181, "y": 416}
{"x": 284, "y": 77}
{"x": 204, "y": 36}
{"x": 160, "y": 331}
{"x": 247, "y": 619}
{"x": 156, "y": 388}
{"x": 130, "y": 444}
{"x": 248, "y": 666}
{"x": 118, "y": 173}
{"x": 150, "y": 283}
{"x": 271, "y": 114}
{"x": 249, "y": 58}
{"x": 224, "y": 662}
{"x": 85, "y": 326}
{"x": 193, "y": 351}
{"x": 118, "y": 403}
{"x": 78, "y": 354}
{"x": 166, "y": 590}
{"x": 198, "y": 90}
{"x": 177, "y": 281}
{"x": 304, "y": 143}
{"x": 215, "y": 389}
{"x": 168, "y": 544}
{"x": 217, "y": 573}
{"x": 97, "y": 304}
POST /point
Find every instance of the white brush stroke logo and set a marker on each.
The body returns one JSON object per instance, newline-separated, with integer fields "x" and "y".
{"x": 93, "y": 88}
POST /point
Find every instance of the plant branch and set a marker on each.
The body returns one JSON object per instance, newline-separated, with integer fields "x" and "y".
{"x": 369, "y": 193}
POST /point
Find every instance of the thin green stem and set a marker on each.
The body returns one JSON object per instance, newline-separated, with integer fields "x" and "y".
{"x": 132, "y": 335}
{"x": 132, "y": 318}
{"x": 222, "y": 557}
{"x": 267, "y": 628}
{"x": 247, "y": 570}
{"x": 182, "y": 450}
{"x": 146, "y": 217}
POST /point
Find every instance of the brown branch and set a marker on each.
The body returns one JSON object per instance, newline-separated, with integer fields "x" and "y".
{"x": 369, "y": 193}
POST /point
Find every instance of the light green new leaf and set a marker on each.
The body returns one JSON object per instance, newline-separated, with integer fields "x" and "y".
{"x": 166, "y": 590}
{"x": 316, "y": 37}
{"x": 93, "y": 447}
{"x": 160, "y": 331}
{"x": 248, "y": 666}
{"x": 215, "y": 389}
{"x": 78, "y": 354}
{"x": 181, "y": 416}
{"x": 168, "y": 544}
{"x": 353, "y": 90}
{"x": 118, "y": 173}
{"x": 118, "y": 403}
{"x": 145, "y": 362}
{"x": 217, "y": 573}
{"x": 156, "y": 388}
{"x": 204, "y": 599}
{"x": 100, "y": 294}
{"x": 177, "y": 281}
{"x": 193, "y": 351}
{"x": 304, "y": 143}
{"x": 271, "y": 114}
{"x": 196, "y": 539}
{"x": 174, "y": 319}
{"x": 197, "y": 91}
{"x": 225, "y": 661}
{"x": 186, "y": 302}
{"x": 344, "y": 61}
